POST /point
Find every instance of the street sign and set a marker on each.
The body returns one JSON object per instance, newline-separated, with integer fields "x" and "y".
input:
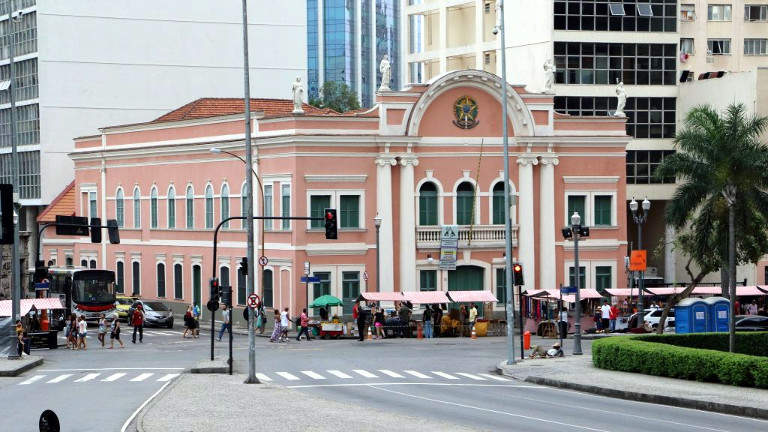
{"x": 310, "y": 279}
{"x": 637, "y": 260}
{"x": 41, "y": 286}
{"x": 449, "y": 247}
{"x": 568, "y": 290}
{"x": 253, "y": 301}
{"x": 263, "y": 260}
{"x": 212, "y": 305}
{"x": 365, "y": 275}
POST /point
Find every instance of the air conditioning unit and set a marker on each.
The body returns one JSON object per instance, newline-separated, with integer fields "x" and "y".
{"x": 651, "y": 272}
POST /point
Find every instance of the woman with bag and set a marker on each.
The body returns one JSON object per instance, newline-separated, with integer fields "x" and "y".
{"x": 278, "y": 331}
{"x": 102, "y": 328}
{"x": 188, "y": 323}
{"x": 114, "y": 333}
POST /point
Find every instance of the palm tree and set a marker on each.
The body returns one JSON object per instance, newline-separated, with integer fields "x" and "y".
{"x": 722, "y": 171}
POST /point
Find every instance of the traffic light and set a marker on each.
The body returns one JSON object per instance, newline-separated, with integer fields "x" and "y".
{"x": 517, "y": 273}
{"x": 6, "y": 214}
{"x": 244, "y": 266}
{"x": 215, "y": 290}
{"x": 95, "y": 230}
{"x": 331, "y": 226}
{"x": 112, "y": 231}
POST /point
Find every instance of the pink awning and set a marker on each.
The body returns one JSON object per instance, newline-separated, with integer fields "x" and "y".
{"x": 749, "y": 291}
{"x": 26, "y": 304}
{"x": 426, "y": 297}
{"x": 382, "y": 296}
{"x": 472, "y": 296}
{"x": 588, "y": 293}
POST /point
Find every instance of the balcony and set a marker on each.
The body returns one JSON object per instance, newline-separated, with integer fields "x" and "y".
{"x": 482, "y": 237}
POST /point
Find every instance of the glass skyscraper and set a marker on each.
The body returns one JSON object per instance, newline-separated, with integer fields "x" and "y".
{"x": 346, "y": 40}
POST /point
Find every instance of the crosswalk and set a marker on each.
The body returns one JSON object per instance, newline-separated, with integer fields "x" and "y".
{"x": 99, "y": 376}
{"x": 379, "y": 374}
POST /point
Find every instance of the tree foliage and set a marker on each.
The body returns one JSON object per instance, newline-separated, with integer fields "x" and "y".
{"x": 336, "y": 96}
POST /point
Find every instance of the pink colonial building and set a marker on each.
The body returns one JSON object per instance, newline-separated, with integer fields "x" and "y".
{"x": 413, "y": 159}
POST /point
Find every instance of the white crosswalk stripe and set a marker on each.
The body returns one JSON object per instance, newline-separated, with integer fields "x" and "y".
{"x": 339, "y": 374}
{"x": 390, "y": 373}
{"x": 288, "y": 376}
{"x": 417, "y": 374}
{"x": 167, "y": 377}
{"x": 313, "y": 375}
{"x": 114, "y": 377}
{"x": 364, "y": 373}
{"x": 33, "y": 379}
{"x": 263, "y": 377}
{"x": 474, "y": 377}
{"x": 142, "y": 377}
{"x": 444, "y": 375}
{"x": 59, "y": 378}
{"x": 494, "y": 377}
{"x": 88, "y": 377}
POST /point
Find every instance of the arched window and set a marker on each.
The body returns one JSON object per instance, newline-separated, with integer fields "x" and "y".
{"x": 267, "y": 286}
{"x": 92, "y": 264}
{"x": 172, "y": 207}
{"x": 136, "y": 208}
{"x": 120, "y": 208}
{"x": 84, "y": 263}
{"x": 120, "y": 288}
{"x": 190, "y": 204}
{"x": 136, "y": 277}
{"x": 498, "y": 204}
{"x": 225, "y": 205}
{"x": 160, "y": 280}
{"x": 465, "y": 194}
{"x": 428, "y": 204}
{"x": 178, "y": 281}
{"x": 208, "y": 207}
{"x": 153, "y": 207}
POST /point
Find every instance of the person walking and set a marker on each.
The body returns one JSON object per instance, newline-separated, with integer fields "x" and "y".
{"x": 562, "y": 322}
{"x": 437, "y": 317}
{"x": 188, "y": 323}
{"x": 464, "y": 315}
{"x": 304, "y": 319}
{"x": 614, "y": 315}
{"x": 426, "y": 317}
{"x": 196, "y": 316}
{"x": 19, "y": 338}
{"x": 378, "y": 324}
{"x": 225, "y": 325}
{"x": 138, "y": 323}
{"x": 277, "y": 332}
{"x": 72, "y": 332}
{"x": 285, "y": 322}
{"x": 82, "y": 332}
{"x": 114, "y": 333}
{"x": 361, "y": 321}
{"x": 605, "y": 312}
{"x": 102, "y": 328}
{"x": 405, "y": 320}
{"x": 472, "y": 315}
{"x": 261, "y": 318}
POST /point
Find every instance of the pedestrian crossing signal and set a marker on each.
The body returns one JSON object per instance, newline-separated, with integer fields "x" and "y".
{"x": 331, "y": 226}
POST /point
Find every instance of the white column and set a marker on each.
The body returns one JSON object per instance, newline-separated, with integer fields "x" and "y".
{"x": 479, "y": 18}
{"x": 670, "y": 259}
{"x": 443, "y": 35}
{"x": 407, "y": 225}
{"x": 384, "y": 208}
{"x": 526, "y": 250}
{"x": 547, "y": 222}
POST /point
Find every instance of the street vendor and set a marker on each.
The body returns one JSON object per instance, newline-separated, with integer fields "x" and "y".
{"x": 323, "y": 314}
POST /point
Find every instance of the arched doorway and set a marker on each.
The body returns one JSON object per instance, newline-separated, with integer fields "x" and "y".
{"x": 466, "y": 278}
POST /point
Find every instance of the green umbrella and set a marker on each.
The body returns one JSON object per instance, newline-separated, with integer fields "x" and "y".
{"x": 325, "y": 301}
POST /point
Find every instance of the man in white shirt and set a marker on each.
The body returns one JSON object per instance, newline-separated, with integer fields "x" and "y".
{"x": 606, "y": 315}
{"x": 563, "y": 322}
{"x": 225, "y": 324}
{"x": 284, "y": 323}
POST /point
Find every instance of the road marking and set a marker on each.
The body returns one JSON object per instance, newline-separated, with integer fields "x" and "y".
{"x": 33, "y": 379}
{"x": 417, "y": 374}
{"x": 130, "y": 419}
{"x": 364, "y": 373}
{"x": 414, "y": 383}
{"x": 59, "y": 378}
{"x": 167, "y": 377}
{"x": 313, "y": 375}
{"x": 494, "y": 377}
{"x": 390, "y": 373}
{"x": 474, "y": 377}
{"x": 142, "y": 377}
{"x": 114, "y": 377}
{"x": 109, "y": 369}
{"x": 262, "y": 377}
{"x": 88, "y": 377}
{"x": 288, "y": 376}
{"x": 339, "y": 374}
{"x": 444, "y": 375}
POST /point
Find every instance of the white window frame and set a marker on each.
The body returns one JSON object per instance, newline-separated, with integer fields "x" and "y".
{"x": 285, "y": 224}
{"x": 762, "y": 14}
{"x": 154, "y": 213}
{"x": 440, "y": 199}
{"x": 120, "y": 202}
{"x": 726, "y": 43}
{"x": 719, "y": 12}
{"x": 589, "y": 207}
{"x": 688, "y": 46}
{"x": 209, "y": 224}
{"x": 759, "y": 46}
{"x": 171, "y": 193}
{"x": 688, "y": 12}
{"x": 336, "y": 195}
{"x": 269, "y": 207}
{"x": 136, "y": 204}
{"x": 227, "y": 225}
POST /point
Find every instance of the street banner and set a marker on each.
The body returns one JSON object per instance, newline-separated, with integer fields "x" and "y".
{"x": 449, "y": 247}
{"x": 637, "y": 260}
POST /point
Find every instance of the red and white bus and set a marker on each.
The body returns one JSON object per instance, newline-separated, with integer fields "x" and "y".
{"x": 83, "y": 291}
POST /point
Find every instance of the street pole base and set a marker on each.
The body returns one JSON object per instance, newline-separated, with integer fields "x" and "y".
{"x": 251, "y": 380}
{"x": 577, "y": 353}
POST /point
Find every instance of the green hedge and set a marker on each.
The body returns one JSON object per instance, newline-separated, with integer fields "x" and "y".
{"x": 749, "y": 343}
{"x": 632, "y": 354}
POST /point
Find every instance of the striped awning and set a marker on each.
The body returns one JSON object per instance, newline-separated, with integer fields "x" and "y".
{"x": 426, "y": 297}
{"x": 26, "y": 304}
{"x": 382, "y": 296}
{"x": 472, "y": 296}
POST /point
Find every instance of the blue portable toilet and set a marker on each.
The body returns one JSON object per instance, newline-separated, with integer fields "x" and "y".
{"x": 719, "y": 313}
{"x": 691, "y": 316}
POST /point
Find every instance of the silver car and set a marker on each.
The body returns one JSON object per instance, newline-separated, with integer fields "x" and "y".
{"x": 156, "y": 313}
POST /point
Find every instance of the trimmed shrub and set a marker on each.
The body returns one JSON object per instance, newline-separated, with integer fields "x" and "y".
{"x": 644, "y": 354}
{"x": 749, "y": 343}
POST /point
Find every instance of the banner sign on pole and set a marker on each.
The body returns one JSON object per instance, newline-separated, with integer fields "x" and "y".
{"x": 449, "y": 247}
{"x": 637, "y": 260}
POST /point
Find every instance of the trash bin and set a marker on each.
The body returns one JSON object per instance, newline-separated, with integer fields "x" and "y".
{"x": 481, "y": 328}
{"x": 719, "y": 313}
{"x": 691, "y": 316}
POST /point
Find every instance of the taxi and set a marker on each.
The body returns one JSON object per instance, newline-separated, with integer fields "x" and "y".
{"x": 123, "y": 304}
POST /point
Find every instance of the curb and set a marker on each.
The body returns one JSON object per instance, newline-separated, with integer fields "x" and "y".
{"x": 20, "y": 370}
{"x": 216, "y": 367}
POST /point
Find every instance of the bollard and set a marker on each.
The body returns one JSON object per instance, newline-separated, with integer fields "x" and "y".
{"x": 474, "y": 335}
{"x": 419, "y": 335}
{"x": 527, "y": 340}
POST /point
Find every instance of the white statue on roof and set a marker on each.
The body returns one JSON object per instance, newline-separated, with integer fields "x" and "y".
{"x": 298, "y": 89}
{"x": 621, "y": 95}
{"x": 549, "y": 71}
{"x": 386, "y": 73}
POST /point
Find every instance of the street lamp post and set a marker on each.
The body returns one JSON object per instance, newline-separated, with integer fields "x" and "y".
{"x": 377, "y": 223}
{"x": 576, "y": 232}
{"x": 15, "y": 255}
{"x": 640, "y": 219}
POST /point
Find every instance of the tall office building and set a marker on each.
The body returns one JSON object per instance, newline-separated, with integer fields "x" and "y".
{"x": 346, "y": 40}
{"x": 652, "y": 46}
{"x": 83, "y": 64}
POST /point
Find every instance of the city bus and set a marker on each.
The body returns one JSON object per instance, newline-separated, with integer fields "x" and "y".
{"x": 84, "y": 292}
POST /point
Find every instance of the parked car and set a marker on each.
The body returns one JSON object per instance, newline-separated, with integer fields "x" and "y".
{"x": 123, "y": 304}
{"x": 156, "y": 313}
{"x": 652, "y": 317}
{"x": 751, "y": 323}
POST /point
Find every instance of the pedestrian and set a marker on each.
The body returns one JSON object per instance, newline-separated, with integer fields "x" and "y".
{"x": 102, "y": 328}
{"x": 464, "y": 315}
{"x": 378, "y": 324}
{"x": 605, "y": 312}
{"x": 138, "y": 323}
{"x": 361, "y": 321}
{"x": 405, "y": 320}
{"x": 323, "y": 314}
{"x": 114, "y": 333}
{"x": 614, "y": 316}
{"x": 72, "y": 331}
{"x": 261, "y": 318}
{"x": 277, "y": 332}
{"x": 285, "y": 323}
{"x": 188, "y": 323}
{"x": 196, "y": 316}
{"x": 19, "y": 337}
{"x": 562, "y": 322}
{"x": 437, "y": 317}
{"x": 752, "y": 308}
{"x": 426, "y": 317}
{"x": 472, "y": 315}
{"x": 82, "y": 332}
{"x": 225, "y": 325}
{"x": 597, "y": 320}
{"x": 304, "y": 320}
{"x": 555, "y": 351}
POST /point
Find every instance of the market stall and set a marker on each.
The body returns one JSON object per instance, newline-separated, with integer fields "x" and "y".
{"x": 483, "y": 327}
{"x": 332, "y": 327}
{"x": 34, "y": 316}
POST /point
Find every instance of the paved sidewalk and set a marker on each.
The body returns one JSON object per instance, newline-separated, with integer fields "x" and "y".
{"x": 15, "y": 367}
{"x": 578, "y": 373}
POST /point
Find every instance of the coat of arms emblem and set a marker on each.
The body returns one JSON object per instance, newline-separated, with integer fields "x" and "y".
{"x": 465, "y": 110}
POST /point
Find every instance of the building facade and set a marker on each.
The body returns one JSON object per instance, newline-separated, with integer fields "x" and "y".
{"x": 346, "y": 40}
{"x": 413, "y": 160}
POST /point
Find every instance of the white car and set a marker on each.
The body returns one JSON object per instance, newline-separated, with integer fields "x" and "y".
{"x": 652, "y": 317}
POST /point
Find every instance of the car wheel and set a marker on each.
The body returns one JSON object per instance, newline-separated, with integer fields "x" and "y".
{"x": 170, "y": 325}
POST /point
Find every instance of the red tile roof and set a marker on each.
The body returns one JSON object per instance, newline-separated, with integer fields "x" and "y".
{"x": 63, "y": 205}
{"x": 214, "y": 107}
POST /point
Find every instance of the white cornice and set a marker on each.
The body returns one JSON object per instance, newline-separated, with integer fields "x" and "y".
{"x": 335, "y": 178}
{"x": 319, "y": 249}
{"x": 590, "y": 179}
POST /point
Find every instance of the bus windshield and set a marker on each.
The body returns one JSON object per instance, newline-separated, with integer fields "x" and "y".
{"x": 93, "y": 287}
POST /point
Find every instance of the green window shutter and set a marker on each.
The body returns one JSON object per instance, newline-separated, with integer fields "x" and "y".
{"x": 582, "y": 276}
{"x": 317, "y": 206}
{"x": 267, "y": 285}
{"x": 428, "y": 208}
{"x": 267, "y": 207}
{"x": 501, "y": 286}
{"x": 428, "y": 280}
{"x": 498, "y": 208}
{"x": 350, "y": 287}
{"x": 350, "y": 211}
{"x": 464, "y": 207}
{"x": 603, "y": 210}
{"x": 286, "y": 206}
{"x": 321, "y": 288}
{"x": 602, "y": 277}
{"x": 577, "y": 203}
